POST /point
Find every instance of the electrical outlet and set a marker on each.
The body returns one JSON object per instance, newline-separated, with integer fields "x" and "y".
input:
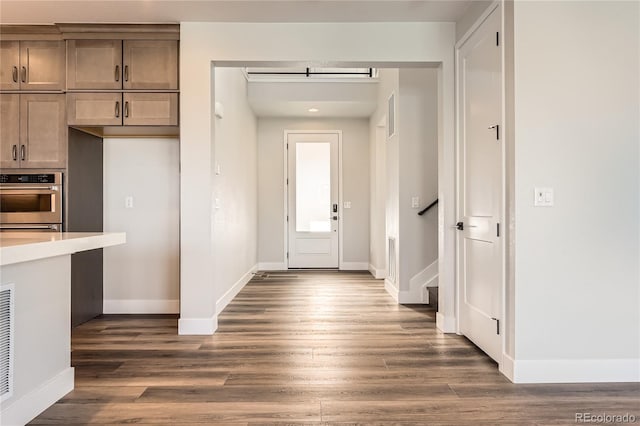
{"x": 415, "y": 202}
{"x": 346, "y": 204}
{"x": 128, "y": 202}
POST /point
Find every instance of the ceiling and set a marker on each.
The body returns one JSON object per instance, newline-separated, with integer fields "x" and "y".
{"x": 329, "y": 99}
{"x": 175, "y": 11}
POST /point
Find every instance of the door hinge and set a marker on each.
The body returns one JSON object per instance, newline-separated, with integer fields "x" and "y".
{"x": 287, "y": 146}
{"x": 287, "y": 181}
{"x": 287, "y": 255}
{"x": 497, "y": 229}
{"x": 497, "y": 38}
{"x": 287, "y": 218}
{"x": 497, "y": 325}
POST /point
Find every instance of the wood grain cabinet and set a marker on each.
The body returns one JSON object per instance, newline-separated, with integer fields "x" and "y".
{"x": 117, "y": 64}
{"x": 117, "y": 109}
{"x": 94, "y": 64}
{"x": 94, "y": 109}
{"x": 150, "y": 64}
{"x": 34, "y": 131}
{"x": 150, "y": 109}
{"x": 36, "y": 65}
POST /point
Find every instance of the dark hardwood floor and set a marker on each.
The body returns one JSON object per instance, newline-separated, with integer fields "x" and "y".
{"x": 308, "y": 348}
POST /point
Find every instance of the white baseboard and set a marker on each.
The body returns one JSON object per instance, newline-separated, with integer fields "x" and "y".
{"x": 378, "y": 273}
{"x": 391, "y": 289}
{"x": 506, "y": 366}
{"x": 354, "y": 266}
{"x": 576, "y": 370}
{"x": 141, "y": 306}
{"x": 446, "y": 324}
{"x": 25, "y": 409}
{"x": 234, "y": 290}
{"x": 428, "y": 277}
{"x": 197, "y": 326}
{"x": 272, "y": 266}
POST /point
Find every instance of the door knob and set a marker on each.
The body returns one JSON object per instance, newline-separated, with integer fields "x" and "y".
{"x": 335, "y": 217}
{"x": 459, "y": 226}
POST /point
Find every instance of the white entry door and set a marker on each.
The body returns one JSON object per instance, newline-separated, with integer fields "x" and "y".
{"x": 313, "y": 211}
{"x": 480, "y": 187}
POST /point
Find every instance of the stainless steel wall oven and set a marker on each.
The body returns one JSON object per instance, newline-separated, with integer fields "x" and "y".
{"x": 31, "y": 202}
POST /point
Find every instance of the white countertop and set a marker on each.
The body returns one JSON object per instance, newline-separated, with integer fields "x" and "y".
{"x": 16, "y": 247}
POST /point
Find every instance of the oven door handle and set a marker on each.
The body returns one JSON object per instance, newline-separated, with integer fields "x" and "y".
{"x": 19, "y": 227}
{"x": 30, "y": 188}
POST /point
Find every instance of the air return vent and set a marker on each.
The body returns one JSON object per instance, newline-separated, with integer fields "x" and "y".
{"x": 6, "y": 340}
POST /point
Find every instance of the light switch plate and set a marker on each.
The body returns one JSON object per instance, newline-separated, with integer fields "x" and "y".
{"x": 346, "y": 204}
{"x": 543, "y": 197}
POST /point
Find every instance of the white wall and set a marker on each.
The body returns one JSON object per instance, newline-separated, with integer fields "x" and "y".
{"x": 142, "y": 276}
{"x": 377, "y": 194}
{"x": 355, "y": 154}
{"x": 577, "y": 278}
{"x": 417, "y": 120}
{"x": 471, "y": 15}
{"x": 235, "y": 214}
{"x": 410, "y": 160}
{"x": 386, "y": 159}
{"x": 371, "y": 43}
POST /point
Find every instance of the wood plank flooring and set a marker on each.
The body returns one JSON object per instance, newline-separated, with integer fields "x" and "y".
{"x": 308, "y": 348}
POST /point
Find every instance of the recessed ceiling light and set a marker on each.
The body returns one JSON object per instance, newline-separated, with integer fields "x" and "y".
{"x": 313, "y": 110}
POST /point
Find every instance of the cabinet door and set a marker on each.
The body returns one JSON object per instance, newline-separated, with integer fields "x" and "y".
{"x": 43, "y": 131}
{"x": 151, "y": 109}
{"x": 94, "y": 109}
{"x": 42, "y": 65}
{"x": 9, "y": 130}
{"x": 94, "y": 64}
{"x": 150, "y": 64}
{"x": 9, "y": 65}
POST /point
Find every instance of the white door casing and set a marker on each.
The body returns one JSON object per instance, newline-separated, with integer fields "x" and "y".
{"x": 313, "y": 210}
{"x": 480, "y": 187}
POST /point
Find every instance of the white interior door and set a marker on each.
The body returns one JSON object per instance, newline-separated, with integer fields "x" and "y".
{"x": 313, "y": 208}
{"x": 480, "y": 187}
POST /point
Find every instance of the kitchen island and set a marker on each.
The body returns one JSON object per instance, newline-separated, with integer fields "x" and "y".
{"x": 35, "y": 314}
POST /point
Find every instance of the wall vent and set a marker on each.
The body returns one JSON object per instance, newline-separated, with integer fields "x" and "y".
{"x": 392, "y": 261}
{"x": 6, "y": 340}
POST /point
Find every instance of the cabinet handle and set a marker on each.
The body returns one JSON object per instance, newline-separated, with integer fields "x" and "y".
{"x": 22, "y": 152}
{"x": 117, "y": 109}
{"x": 15, "y": 74}
{"x": 117, "y": 72}
{"x": 126, "y": 109}
{"x": 126, "y": 73}
{"x": 14, "y": 152}
{"x": 24, "y": 74}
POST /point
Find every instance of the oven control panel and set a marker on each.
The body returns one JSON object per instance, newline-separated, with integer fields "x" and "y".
{"x": 28, "y": 178}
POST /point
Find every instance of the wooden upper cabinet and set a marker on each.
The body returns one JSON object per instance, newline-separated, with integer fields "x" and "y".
{"x": 9, "y": 65}
{"x": 150, "y": 109}
{"x": 94, "y": 64}
{"x": 42, "y": 65}
{"x": 9, "y": 130}
{"x": 43, "y": 131}
{"x": 150, "y": 64}
{"x": 94, "y": 109}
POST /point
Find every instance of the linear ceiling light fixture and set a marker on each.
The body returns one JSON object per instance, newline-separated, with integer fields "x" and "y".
{"x": 309, "y": 73}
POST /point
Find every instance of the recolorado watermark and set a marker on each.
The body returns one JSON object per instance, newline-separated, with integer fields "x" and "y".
{"x": 604, "y": 418}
